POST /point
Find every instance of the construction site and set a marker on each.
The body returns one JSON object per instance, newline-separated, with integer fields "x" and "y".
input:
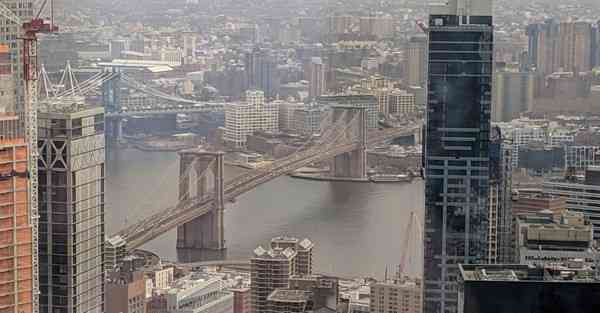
{"x": 15, "y": 228}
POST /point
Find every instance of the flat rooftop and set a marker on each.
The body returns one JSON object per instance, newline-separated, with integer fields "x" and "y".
{"x": 273, "y": 254}
{"x": 286, "y": 295}
{"x": 527, "y": 273}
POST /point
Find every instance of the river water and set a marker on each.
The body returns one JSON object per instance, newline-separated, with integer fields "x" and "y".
{"x": 358, "y": 228}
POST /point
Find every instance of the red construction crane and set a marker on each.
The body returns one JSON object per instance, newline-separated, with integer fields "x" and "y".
{"x": 30, "y": 77}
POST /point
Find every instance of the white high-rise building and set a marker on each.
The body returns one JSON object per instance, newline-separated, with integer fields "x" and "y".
{"x": 401, "y": 102}
{"x": 245, "y": 118}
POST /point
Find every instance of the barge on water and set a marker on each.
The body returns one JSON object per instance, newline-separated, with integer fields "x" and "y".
{"x": 390, "y": 178}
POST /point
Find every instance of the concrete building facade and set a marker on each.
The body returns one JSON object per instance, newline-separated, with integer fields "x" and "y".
{"x": 9, "y": 35}
{"x": 125, "y": 292}
{"x": 307, "y": 120}
{"x": 245, "y": 118}
{"x": 524, "y": 202}
{"x": 197, "y": 292}
{"x": 546, "y": 238}
{"x": 241, "y": 300}
{"x": 513, "y": 95}
{"x": 7, "y": 81}
{"x": 286, "y": 113}
{"x": 416, "y": 61}
{"x": 401, "y": 102}
{"x": 580, "y": 157}
{"x": 395, "y": 297}
{"x": 316, "y": 83}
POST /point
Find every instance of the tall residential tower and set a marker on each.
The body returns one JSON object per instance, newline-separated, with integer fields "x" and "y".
{"x": 456, "y": 152}
{"x": 71, "y": 206}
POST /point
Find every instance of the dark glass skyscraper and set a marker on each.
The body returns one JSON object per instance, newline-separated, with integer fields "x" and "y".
{"x": 456, "y": 151}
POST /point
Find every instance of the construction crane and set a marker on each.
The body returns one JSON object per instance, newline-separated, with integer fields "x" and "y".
{"x": 412, "y": 235}
{"x": 30, "y": 29}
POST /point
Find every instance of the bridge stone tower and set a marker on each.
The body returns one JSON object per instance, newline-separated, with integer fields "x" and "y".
{"x": 206, "y": 231}
{"x": 352, "y": 164}
{"x": 111, "y": 93}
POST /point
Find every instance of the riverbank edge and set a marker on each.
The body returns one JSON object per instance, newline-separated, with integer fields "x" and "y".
{"x": 329, "y": 178}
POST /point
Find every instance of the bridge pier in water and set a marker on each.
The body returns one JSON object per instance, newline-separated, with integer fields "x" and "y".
{"x": 207, "y": 231}
{"x": 352, "y": 164}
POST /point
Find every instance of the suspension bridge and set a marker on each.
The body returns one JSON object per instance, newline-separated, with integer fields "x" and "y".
{"x": 109, "y": 82}
{"x": 198, "y": 215}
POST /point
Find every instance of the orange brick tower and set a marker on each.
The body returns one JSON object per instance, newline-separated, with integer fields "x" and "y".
{"x": 15, "y": 222}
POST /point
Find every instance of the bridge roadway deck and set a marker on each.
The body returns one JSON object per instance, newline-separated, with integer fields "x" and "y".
{"x": 185, "y": 211}
{"x": 198, "y": 108}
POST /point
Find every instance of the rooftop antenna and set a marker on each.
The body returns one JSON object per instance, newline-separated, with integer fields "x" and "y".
{"x": 386, "y": 273}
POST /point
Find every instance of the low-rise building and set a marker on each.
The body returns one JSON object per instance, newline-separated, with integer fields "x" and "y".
{"x": 307, "y": 120}
{"x": 485, "y": 288}
{"x": 547, "y": 237}
{"x": 580, "y": 157}
{"x": 286, "y": 114}
{"x": 290, "y": 301}
{"x": 524, "y": 202}
{"x": 197, "y": 292}
{"x": 125, "y": 292}
{"x": 114, "y": 252}
{"x": 580, "y": 196}
{"x": 396, "y": 296}
{"x": 324, "y": 289}
{"x": 241, "y": 300}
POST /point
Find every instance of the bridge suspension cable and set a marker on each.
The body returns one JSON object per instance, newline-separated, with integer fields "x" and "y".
{"x": 157, "y": 218}
{"x": 94, "y": 82}
{"x": 46, "y": 85}
{"x": 152, "y": 91}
